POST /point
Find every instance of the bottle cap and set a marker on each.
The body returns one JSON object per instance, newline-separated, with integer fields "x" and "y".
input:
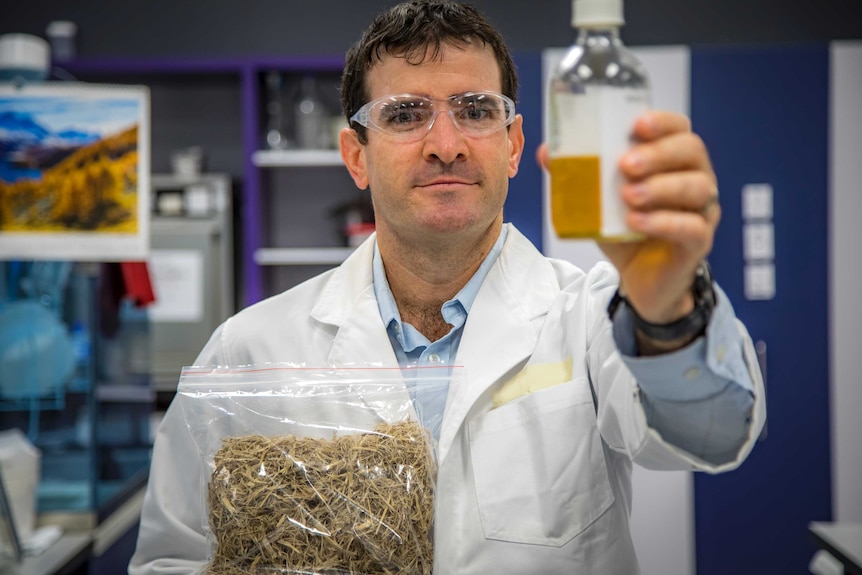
{"x": 597, "y": 13}
{"x": 25, "y": 53}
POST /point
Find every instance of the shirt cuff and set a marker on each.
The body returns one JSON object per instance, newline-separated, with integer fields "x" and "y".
{"x": 704, "y": 366}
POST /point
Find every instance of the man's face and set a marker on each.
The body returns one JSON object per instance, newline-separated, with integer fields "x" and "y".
{"x": 447, "y": 184}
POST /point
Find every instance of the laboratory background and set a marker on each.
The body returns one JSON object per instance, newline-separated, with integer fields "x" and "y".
{"x": 233, "y": 161}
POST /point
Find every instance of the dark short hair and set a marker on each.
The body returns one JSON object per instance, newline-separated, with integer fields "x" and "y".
{"x": 415, "y": 30}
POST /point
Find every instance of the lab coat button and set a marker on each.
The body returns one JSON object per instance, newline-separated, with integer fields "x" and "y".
{"x": 433, "y": 358}
{"x": 692, "y": 373}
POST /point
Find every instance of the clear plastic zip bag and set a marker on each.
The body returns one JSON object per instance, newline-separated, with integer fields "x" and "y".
{"x": 317, "y": 470}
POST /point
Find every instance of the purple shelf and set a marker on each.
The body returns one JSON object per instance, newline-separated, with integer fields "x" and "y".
{"x": 247, "y": 70}
{"x": 197, "y": 65}
{"x": 134, "y": 66}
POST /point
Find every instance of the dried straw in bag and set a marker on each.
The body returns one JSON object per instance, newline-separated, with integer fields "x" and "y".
{"x": 355, "y": 504}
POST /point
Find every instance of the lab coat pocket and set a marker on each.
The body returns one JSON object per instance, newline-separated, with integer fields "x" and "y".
{"x": 539, "y": 467}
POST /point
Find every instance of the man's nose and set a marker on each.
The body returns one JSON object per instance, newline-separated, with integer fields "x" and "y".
{"x": 444, "y": 138}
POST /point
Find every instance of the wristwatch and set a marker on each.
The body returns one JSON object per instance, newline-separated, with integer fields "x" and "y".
{"x": 693, "y": 324}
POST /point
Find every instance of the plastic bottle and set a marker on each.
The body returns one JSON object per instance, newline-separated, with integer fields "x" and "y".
{"x": 596, "y": 92}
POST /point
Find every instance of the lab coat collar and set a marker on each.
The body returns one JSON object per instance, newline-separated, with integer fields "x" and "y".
{"x": 347, "y": 302}
{"x": 502, "y": 329}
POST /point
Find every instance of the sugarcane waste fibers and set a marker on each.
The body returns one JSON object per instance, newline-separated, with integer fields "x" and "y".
{"x": 355, "y": 504}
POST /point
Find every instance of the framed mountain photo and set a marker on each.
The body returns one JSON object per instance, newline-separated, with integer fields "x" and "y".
{"x": 74, "y": 172}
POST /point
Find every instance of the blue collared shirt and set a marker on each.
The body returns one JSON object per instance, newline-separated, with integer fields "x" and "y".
{"x": 414, "y": 349}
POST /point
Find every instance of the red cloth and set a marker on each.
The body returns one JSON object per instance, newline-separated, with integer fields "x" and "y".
{"x": 139, "y": 288}
{"x": 118, "y": 281}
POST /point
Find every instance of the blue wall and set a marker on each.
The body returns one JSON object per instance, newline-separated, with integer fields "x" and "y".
{"x": 524, "y": 204}
{"x": 763, "y": 113}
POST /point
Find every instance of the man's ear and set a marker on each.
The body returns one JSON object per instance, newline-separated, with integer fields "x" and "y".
{"x": 353, "y": 155}
{"x": 516, "y": 144}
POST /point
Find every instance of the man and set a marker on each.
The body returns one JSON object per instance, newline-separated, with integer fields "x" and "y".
{"x": 536, "y": 447}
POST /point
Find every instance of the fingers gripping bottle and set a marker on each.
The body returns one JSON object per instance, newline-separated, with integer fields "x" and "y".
{"x": 596, "y": 92}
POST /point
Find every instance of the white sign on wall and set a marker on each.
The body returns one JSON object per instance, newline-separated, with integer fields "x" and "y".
{"x": 178, "y": 282}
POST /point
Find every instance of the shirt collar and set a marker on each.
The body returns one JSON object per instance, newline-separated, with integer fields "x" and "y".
{"x": 463, "y": 299}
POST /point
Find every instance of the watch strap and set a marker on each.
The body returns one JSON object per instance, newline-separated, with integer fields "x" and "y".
{"x": 692, "y": 324}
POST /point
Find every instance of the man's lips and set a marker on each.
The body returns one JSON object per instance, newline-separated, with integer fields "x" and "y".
{"x": 457, "y": 175}
{"x": 445, "y": 182}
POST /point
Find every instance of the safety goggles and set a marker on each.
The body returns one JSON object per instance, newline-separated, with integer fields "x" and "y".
{"x": 409, "y": 117}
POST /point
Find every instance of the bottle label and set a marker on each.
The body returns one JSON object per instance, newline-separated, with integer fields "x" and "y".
{"x": 590, "y": 132}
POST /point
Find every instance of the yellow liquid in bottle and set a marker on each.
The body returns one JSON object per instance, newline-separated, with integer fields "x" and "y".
{"x": 576, "y": 196}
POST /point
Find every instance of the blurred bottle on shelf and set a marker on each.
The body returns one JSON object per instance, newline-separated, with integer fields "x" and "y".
{"x": 275, "y": 136}
{"x": 312, "y": 119}
{"x": 61, "y": 36}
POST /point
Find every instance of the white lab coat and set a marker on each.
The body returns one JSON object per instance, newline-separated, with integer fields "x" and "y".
{"x": 539, "y": 484}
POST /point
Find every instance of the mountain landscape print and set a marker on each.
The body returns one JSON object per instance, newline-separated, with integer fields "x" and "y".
{"x": 74, "y": 166}
{"x": 68, "y": 164}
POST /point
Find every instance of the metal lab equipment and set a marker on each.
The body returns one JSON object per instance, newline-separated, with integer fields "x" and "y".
{"x": 192, "y": 269}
